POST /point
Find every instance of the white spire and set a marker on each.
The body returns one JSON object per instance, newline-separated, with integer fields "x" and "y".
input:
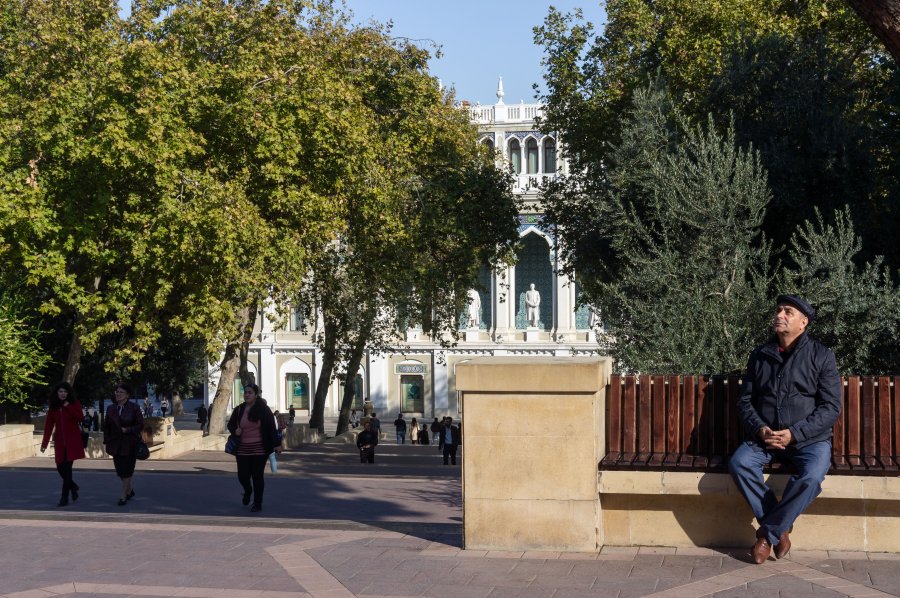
{"x": 500, "y": 91}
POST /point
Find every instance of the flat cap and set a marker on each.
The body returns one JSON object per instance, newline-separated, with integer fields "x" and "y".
{"x": 800, "y": 303}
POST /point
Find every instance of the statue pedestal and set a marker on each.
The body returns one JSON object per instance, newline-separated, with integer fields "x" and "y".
{"x": 592, "y": 336}
{"x": 473, "y": 335}
{"x": 532, "y": 334}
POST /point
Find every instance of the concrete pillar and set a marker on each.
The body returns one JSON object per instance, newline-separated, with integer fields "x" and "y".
{"x": 534, "y": 433}
{"x": 268, "y": 378}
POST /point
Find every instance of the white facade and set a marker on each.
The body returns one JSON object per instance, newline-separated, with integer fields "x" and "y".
{"x": 418, "y": 379}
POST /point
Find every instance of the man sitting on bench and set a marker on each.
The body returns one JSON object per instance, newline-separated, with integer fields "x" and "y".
{"x": 789, "y": 402}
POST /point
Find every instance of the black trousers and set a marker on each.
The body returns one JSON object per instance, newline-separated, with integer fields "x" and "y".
{"x": 65, "y": 472}
{"x": 367, "y": 455}
{"x": 250, "y": 469}
{"x": 450, "y": 451}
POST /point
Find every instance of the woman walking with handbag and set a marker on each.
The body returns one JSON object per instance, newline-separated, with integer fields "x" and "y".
{"x": 254, "y": 425}
{"x": 63, "y": 419}
{"x": 122, "y": 429}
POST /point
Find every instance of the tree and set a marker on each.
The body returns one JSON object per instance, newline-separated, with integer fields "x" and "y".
{"x": 858, "y": 307}
{"x": 271, "y": 137}
{"x": 22, "y": 359}
{"x": 883, "y": 17}
{"x": 808, "y": 85}
{"x": 686, "y": 288}
{"x": 434, "y": 209}
{"x": 75, "y": 195}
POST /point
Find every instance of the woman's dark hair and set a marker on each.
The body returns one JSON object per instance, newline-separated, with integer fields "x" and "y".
{"x": 256, "y": 410}
{"x": 55, "y": 403}
{"x": 126, "y": 387}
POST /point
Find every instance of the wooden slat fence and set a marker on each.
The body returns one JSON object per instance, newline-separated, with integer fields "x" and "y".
{"x": 690, "y": 423}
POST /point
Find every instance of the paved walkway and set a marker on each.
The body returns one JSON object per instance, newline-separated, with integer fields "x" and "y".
{"x": 335, "y": 528}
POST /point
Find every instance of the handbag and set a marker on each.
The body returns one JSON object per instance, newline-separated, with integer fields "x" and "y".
{"x": 141, "y": 450}
{"x": 273, "y": 463}
{"x": 232, "y": 444}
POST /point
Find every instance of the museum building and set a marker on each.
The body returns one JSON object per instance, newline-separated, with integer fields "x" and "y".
{"x": 418, "y": 377}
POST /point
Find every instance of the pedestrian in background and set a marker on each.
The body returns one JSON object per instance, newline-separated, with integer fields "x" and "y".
{"x": 122, "y": 429}
{"x": 95, "y": 421}
{"x": 201, "y": 417}
{"x": 164, "y": 406}
{"x": 366, "y": 441}
{"x": 63, "y": 418}
{"x": 254, "y": 423}
{"x": 436, "y": 433}
{"x": 450, "y": 439}
{"x": 414, "y": 431}
{"x": 376, "y": 425}
{"x": 292, "y": 413}
{"x": 400, "y": 426}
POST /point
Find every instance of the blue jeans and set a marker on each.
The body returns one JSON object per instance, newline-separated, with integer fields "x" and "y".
{"x": 777, "y": 516}
{"x": 401, "y": 437}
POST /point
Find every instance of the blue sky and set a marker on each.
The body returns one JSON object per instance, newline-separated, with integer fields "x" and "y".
{"x": 480, "y": 40}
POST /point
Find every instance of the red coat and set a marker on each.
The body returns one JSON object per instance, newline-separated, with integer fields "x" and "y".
{"x": 65, "y": 425}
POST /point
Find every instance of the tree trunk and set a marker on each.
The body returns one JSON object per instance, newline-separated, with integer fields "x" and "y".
{"x": 883, "y": 18}
{"x": 350, "y": 384}
{"x": 231, "y": 363}
{"x": 329, "y": 358}
{"x": 73, "y": 360}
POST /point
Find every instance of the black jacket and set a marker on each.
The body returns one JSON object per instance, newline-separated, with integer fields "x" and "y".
{"x": 366, "y": 437}
{"x": 802, "y": 393}
{"x": 260, "y": 411}
{"x": 121, "y": 433}
{"x": 454, "y": 435}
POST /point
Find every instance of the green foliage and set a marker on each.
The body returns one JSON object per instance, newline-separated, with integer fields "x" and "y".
{"x": 858, "y": 306}
{"x": 806, "y": 83}
{"x": 22, "y": 359}
{"x": 808, "y": 94}
{"x": 687, "y": 284}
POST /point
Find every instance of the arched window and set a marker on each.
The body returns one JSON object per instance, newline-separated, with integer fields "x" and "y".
{"x": 533, "y": 266}
{"x": 515, "y": 156}
{"x": 531, "y": 151}
{"x": 549, "y": 155}
{"x": 488, "y": 143}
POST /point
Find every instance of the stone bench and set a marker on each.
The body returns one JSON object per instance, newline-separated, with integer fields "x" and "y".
{"x": 535, "y": 484}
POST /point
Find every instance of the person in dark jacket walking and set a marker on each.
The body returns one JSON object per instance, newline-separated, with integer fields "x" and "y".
{"x": 366, "y": 441}
{"x": 787, "y": 406}
{"x": 254, "y": 423}
{"x": 62, "y": 422}
{"x": 450, "y": 440}
{"x": 400, "y": 425}
{"x": 122, "y": 429}
{"x": 201, "y": 418}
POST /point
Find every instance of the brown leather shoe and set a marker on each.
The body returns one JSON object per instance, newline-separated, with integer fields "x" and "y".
{"x": 760, "y": 551}
{"x": 784, "y": 545}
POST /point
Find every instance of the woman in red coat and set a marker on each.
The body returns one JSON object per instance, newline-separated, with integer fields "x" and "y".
{"x": 63, "y": 421}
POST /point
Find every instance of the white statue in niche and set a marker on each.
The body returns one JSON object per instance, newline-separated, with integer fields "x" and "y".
{"x": 532, "y": 306}
{"x": 594, "y": 320}
{"x": 474, "y": 308}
